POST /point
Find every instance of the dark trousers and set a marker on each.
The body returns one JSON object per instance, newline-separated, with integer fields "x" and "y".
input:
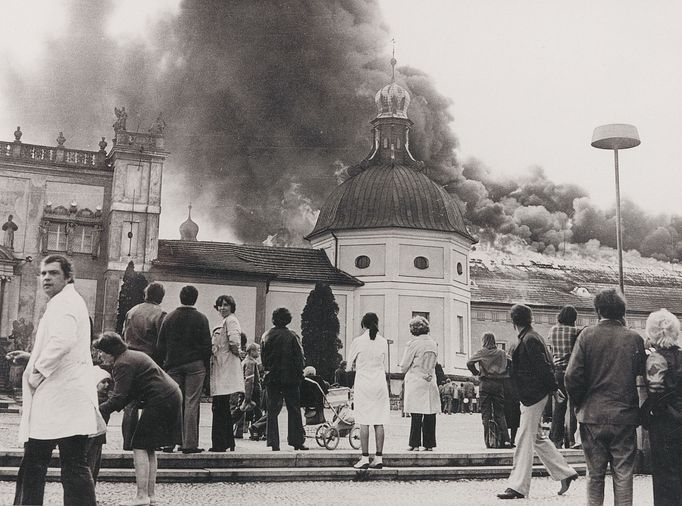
{"x": 131, "y": 415}
{"x": 492, "y": 408}
{"x": 558, "y": 433}
{"x": 292, "y": 397}
{"x": 422, "y": 429}
{"x": 666, "y": 461}
{"x": 95, "y": 456}
{"x": 222, "y": 436}
{"x": 79, "y": 489}
{"x": 604, "y": 443}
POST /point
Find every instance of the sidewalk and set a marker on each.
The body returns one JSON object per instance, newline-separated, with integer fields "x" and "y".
{"x": 458, "y": 433}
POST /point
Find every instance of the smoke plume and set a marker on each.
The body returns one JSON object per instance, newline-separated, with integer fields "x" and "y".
{"x": 267, "y": 104}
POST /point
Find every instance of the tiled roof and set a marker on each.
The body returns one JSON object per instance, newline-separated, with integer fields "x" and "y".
{"x": 546, "y": 284}
{"x": 289, "y": 264}
{"x": 390, "y": 195}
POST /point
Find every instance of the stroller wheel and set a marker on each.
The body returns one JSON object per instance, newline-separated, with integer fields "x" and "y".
{"x": 331, "y": 438}
{"x": 354, "y": 437}
{"x": 319, "y": 434}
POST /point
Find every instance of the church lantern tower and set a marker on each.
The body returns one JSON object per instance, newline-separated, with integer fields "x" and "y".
{"x": 404, "y": 236}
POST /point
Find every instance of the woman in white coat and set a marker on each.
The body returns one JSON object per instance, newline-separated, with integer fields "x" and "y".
{"x": 422, "y": 399}
{"x": 368, "y": 357}
{"x": 226, "y": 376}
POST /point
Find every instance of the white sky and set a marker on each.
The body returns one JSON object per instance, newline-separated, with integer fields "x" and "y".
{"x": 530, "y": 80}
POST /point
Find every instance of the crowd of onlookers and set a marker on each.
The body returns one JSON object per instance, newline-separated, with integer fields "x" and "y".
{"x": 162, "y": 365}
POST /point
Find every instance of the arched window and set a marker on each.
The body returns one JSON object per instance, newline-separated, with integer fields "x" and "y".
{"x": 362, "y": 262}
{"x": 421, "y": 263}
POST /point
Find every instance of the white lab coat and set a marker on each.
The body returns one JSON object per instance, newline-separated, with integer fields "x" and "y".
{"x": 65, "y": 403}
{"x": 370, "y": 392}
{"x": 418, "y": 363}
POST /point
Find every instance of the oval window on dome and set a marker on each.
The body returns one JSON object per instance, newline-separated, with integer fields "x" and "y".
{"x": 421, "y": 263}
{"x": 362, "y": 262}
{"x": 460, "y": 269}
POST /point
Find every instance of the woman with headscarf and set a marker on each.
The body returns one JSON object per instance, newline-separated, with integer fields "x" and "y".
{"x": 368, "y": 356}
{"x": 422, "y": 399}
{"x": 664, "y": 412}
{"x": 226, "y": 375}
{"x": 492, "y": 368}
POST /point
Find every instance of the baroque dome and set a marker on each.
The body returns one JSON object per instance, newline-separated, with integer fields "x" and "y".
{"x": 392, "y": 101}
{"x": 390, "y": 195}
{"x": 188, "y": 229}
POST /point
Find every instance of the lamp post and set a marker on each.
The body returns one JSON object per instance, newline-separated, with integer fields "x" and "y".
{"x": 615, "y": 137}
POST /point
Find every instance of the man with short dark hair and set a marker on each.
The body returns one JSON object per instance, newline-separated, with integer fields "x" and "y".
{"x": 533, "y": 377}
{"x": 283, "y": 361}
{"x": 141, "y": 332}
{"x": 601, "y": 379}
{"x": 185, "y": 346}
{"x": 562, "y": 338}
{"x": 60, "y": 406}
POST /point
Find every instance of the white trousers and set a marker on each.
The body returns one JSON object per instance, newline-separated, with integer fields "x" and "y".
{"x": 529, "y": 438}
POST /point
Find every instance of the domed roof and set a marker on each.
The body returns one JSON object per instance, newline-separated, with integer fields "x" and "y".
{"x": 189, "y": 229}
{"x": 390, "y": 195}
{"x": 392, "y": 101}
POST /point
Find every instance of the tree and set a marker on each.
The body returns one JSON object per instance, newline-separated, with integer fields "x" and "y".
{"x": 131, "y": 294}
{"x": 320, "y": 330}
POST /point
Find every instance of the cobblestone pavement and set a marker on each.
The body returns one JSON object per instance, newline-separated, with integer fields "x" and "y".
{"x": 458, "y": 433}
{"x": 543, "y": 492}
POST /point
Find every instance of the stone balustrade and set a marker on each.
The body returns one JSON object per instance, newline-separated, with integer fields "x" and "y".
{"x": 53, "y": 155}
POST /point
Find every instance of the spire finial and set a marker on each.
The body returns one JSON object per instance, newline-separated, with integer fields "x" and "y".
{"x": 189, "y": 214}
{"x": 393, "y": 62}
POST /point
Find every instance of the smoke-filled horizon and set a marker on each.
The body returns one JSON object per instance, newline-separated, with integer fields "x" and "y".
{"x": 266, "y": 102}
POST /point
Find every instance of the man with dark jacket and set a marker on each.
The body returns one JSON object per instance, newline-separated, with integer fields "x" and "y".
{"x": 601, "y": 381}
{"x": 283, "y": 361}
{"x": 533, "y": 376}
{"x": 185, "y": 346}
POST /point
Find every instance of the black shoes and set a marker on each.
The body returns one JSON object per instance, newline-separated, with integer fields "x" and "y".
{"x": 301, "y": 447}
{"x": 510, "y": 493}
{"x": 566, "y": 484}
{"x": 192, "y": 450}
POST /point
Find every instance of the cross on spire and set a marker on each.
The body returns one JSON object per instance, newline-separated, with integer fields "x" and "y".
{"x": 393, "y": 62}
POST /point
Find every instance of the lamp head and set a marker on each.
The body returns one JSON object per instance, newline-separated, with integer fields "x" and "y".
{"x": 615, "y": 136}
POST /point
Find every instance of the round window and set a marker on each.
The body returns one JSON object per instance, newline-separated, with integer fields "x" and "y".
{"x": 421, "y": 263}
{"x": 362, "y": 262}
{"x": 460, "y": 269}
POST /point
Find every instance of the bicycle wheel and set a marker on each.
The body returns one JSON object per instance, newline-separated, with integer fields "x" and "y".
{"x": 331, "y": 438}
{"x": 354, "y": 437}
{"x": 319, "y": 434}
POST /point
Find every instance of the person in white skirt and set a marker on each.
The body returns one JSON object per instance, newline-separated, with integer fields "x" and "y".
{"x": 369, "y": 358}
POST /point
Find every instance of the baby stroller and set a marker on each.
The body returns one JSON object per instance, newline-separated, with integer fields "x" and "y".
{"x": 327, "y": 434}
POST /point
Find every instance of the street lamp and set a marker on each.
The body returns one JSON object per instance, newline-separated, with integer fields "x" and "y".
{"x": 616, "y": 136}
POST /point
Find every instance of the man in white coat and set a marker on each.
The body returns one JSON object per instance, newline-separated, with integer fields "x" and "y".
{"x": 60, "y": 399}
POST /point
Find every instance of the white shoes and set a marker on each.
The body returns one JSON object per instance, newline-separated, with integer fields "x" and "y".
{"x": 363, "y": 463}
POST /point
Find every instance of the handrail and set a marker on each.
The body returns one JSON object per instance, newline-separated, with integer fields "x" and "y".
{"x": 53, "y": 155}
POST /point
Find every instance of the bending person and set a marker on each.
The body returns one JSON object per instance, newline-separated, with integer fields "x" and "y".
{"x": 138, "y": 378}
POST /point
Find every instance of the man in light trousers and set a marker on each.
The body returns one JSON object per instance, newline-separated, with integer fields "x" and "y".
{"x": 533, "y": 376}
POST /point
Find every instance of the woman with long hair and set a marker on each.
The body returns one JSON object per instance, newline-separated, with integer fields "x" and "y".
{"x": 226, "y": 376}
{"x": 368, "y": 356}
{"x": 422, "y": 399}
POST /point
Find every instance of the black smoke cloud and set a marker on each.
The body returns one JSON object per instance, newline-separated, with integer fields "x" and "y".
{"x": 268, "y": 101}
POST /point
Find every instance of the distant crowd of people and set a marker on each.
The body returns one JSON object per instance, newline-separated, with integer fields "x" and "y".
{"x": 157, "y": 371}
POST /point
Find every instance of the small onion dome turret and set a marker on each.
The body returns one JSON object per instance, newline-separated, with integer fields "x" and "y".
{"x": 392, "y": 101}
{"x": 189, "y": 229}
